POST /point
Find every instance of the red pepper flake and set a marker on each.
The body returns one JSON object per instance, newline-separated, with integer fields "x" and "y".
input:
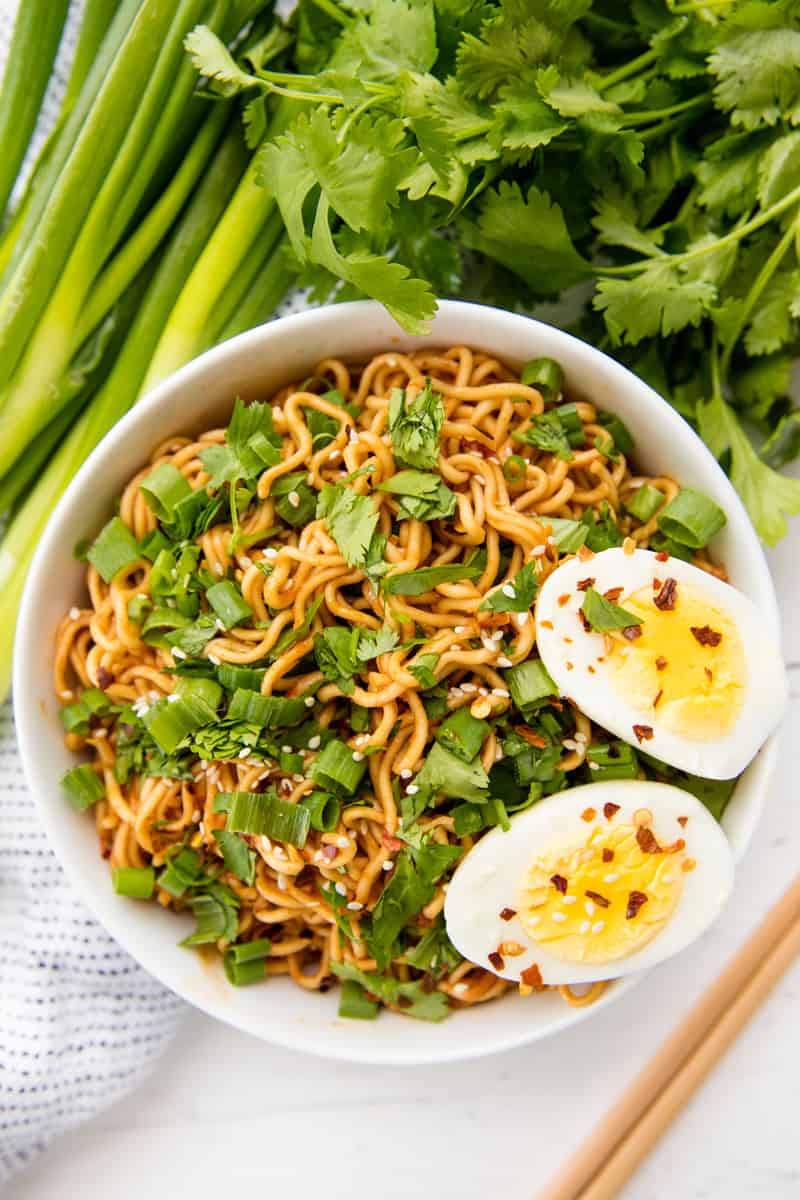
{"x": 609, "y": 810}
{"x": 635, "y": 902}
{"x": 659, "y": 694}
{"x": 584, "y": 584}
{"x": 564, "y": 599}
{"x": 675, "y": 847}
{"x": 584, "y": 622}
{"x": 591, "y": 670}
{"x": 598, "y": 899}
{"x": 532, "y": 977}
{"x": 705, "y": 635}
{"x": 496, "y": 960}
{"x": 662, "y": 556}
{"x": 647, "y": 841}
{"x": 682, "y": 822}
{"x": 688, "y": 864}
{"x": 661, "y": 663}
{"x": 643, "y": 733}
{"x": 570, "y": 666}
{"x": 559, "y": 883}
{"x": 507, "y": 913}
{"x": 657, "y": 583}
{"x": 632, "y": 632}
{"x": 104, "y": 678}
{"x": 588, "y": 814}
{"x": 709, "y": 673}
{"x": 608, "y": 855}
{"x": 391, "y": 842}
{"x": 613, "y": 593}
{"x": 329, "y": 852}
{"x": 531, "y": 736}
{"x": 667, "y": 598}
{"x": 546, "y": 624}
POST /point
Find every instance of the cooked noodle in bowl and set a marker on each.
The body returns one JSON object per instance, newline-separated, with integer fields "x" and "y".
{"x": 316, "y": 596}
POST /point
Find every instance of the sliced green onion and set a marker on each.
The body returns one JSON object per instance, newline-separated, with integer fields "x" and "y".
{"x": 136, "y": 882}
{"x": 359, "y": 718}
{"x": 660, "y": 544}
{"x": 181, "y": 872}
{"x": 295, "y": 501}
{"x": 620, "y": 434}
{"x": 83, "y": 786}
{"x": 515, "y": 468}
{"x": 172, "y": 719}
{"x": 215, "y": 912}
{"x": 645, "y": 502}
{"x": 163, "y": 489}
{"x": 462, "y": 733}
{"x": 207, "y": 690}
{"x": 239, "y": 859}
{"x": 191, "y": 640}
{"x": 138, "y": 608}
{"x": 529, "y": 683}
{"x": 546, "y": 375}
{"x": 159, "y": 620}
{"x": 323, "y": 810}
{"x": 271, "y": 712}
{"x": 336, "y": 769}
{"x": 113, "y": 549}
{"x": 232, "y": 676}
{"x": 153, "y": 543}
{"x": 568, "y": 535}
{"x": 691, "y": 519}
{"x": 355, "y": 1004}
{"x": 612, "y": 760}
{"x": 290, "y": 763}
{"x": 75, "y": 718}
{"x": 572, "y": 424}
{"x": 245, "y": 962}
{"x": 228, "y": 603}
{"x": 267, "y": 814}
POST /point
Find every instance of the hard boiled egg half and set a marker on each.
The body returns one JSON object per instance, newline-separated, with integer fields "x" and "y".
{"x": 592, "y": 883}
{"x": 695, "y": 678}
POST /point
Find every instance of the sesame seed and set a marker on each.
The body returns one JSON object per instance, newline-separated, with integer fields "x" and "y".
{"x": 220, "y": 624}
{"x": 361, "y": 740}
{"x": 357, "y": 756}
{"x": 412, "y": 789}
{"x": 314, "y": 742}
{"x": 551, "y": 541}
{"x": 569, "y": 744}
{"x": 497, "y": 635}
{"x": 340, "y": 888}
{"x": 538, "y": 551}
{"x": 454, "y": 693}
{"x": 172, "y": 697}
{"x": 343, "y": 843}
{"x": 503, "y": 693}
{"x": 283, "y": 883}
{"x": 459, "y": 989}
{"x": 581, "y": 737}
{"x": 100, "y": 733}
{"x": 584, "y": 927}
{"x": 593, "y": 766}
{"x": 504, "y": 662}
{"x": 309, "y": 701}
{"x": 559, "y": 916}
{"x": 74, "y": 613}
{"x": 569, "y": 900}
{"x": 588, "y": 908}
{"x": 270, "y": 552}
{"x": 355, "y": 906}
{"x": 352, "y": 435}
{"x": 176, "y": 653}
{"x": 334, "y": 455}
{"x": 459, "y": 629}
{"x": 212, "y": 658}
{"x": 243, "y": 753}
{"x": 286, "y": 749}
{"x": 218, "y": 569}
{"x": 406, "y": 773}
{"x": 387, "y": 866}
{"x": 276, "y": 412}
{"x": 245, "y": 560}
{"x": 298, "y": 778}
{"x": 508, "y": 590}
{"x": 482, "y": 691}
{"x": 309, "y": 477}
{"x": 522, "y": 618}
{"x": 612, "y": 878}
{"x": 294, "y": 499}
{"x": 488, "y": 644}
{"x": 598, "y": 927}
{"x": 469, "y": 688}
{"x": 534, "y": 920}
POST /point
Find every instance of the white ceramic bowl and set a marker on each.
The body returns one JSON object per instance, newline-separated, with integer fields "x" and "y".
{"x": 200, "y": 396}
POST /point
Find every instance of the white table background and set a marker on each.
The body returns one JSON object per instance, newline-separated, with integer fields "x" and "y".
{"x": 225, "y": 1111}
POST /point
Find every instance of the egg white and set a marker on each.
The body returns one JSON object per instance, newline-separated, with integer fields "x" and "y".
{"x": 765, "y": 686}
{"x": 488, "y": 878}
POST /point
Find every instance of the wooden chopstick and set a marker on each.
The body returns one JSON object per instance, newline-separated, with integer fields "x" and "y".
{"x": 619, "y": 1142}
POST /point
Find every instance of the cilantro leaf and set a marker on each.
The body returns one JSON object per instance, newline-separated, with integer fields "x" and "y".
{"x": 603, "y": 615}
{"x": 422, "y": 670}
{"x": 547, "y": 434}
{"x": 341, "y": 915}
{"x": 412, "y": 998}
{"x": 767, "y": 496}
{"x": 656, "y": 302}
{"x": 336, "y": 652}
{"x": 352, "y": 520}
{"x": 758, "y": 77}
{"x": 240, "y": 860}
{"x": 524, "y": 587}
{"x": 445, "y": 774}
{"x": 415, "y": 427}
{"x": 376, "y": 642}
{"x": 434, "y": 952}
{"x": 410, "y": 888}
{"x": 424, "y": 497}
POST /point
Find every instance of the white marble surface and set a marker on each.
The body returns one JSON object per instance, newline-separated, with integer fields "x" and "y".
{"x": 226, "y": 1111}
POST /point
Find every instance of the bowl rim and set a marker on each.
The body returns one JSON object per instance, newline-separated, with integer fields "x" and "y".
{"x": 114, "y": 917}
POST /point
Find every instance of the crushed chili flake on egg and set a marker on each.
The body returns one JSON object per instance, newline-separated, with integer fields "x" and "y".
{"x": 584, "y": 584}
{"x": 667, "y": 598}
{"x": 512, "y": 949}
{"x": 662, "y": 556}
{"x": 608, "y": 855}
{"x": 559, "y": 883}
{"x": 647, "y": 840}
{"x": 709, "y": 673}
{"x": 532, "y": 977}
{"x": 682, "y": 822}
{"x": 632, "y": 632}
{"x": 598, "y": 899}
{"x": 643, "y": 732}
{"x": 507, "y": 913}
{"x": 688, "y": 864}
{"x": 705, "y": 635}
{"x": 584, "y": 621}
{"x": 613, "y": 594}
{"x": 661, "y": 663}
{"x": 562, "y": 600}
{"x": 588, "y": 814}
{"x": 496, "y": 960}
{"x": 609, "y": 809}
{"x": 635, "y": 902}
{"x": 659, "y": 694}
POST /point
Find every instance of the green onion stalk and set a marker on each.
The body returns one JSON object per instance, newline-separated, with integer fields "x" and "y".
{"x": 34, "y": 44}
{"x": 123, "y": 384}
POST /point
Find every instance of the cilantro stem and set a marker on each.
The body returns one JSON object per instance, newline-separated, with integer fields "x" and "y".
{"x": 624, "y": 72}
{"x": 757, "y": 288}
{"x": 640, "y": 118}
{"x": 729, "y": 239}
{"x": 698, "y": 5}
{"x": 333, "y": 11}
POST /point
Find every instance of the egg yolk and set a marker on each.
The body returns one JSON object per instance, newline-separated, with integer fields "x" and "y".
{"x": 686, "y": 667}
{"x": 604, "y": 897}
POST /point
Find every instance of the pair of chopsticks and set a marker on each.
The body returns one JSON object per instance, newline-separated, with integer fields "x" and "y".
{"x": 621, "y": 1140}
